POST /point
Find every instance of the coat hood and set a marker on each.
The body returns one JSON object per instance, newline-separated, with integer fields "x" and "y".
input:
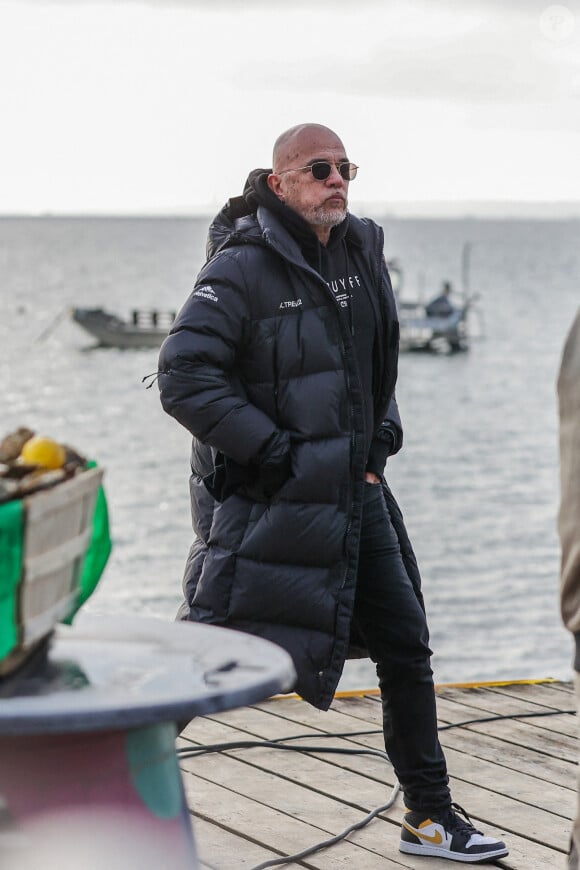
{"x": 236, "y": 219}
{"x": 232, "y": 219}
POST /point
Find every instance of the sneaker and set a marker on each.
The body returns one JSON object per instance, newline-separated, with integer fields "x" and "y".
{"x": 446, "y": 835}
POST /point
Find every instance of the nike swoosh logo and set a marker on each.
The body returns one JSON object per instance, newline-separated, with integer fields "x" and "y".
{"x": 435, "y": 838}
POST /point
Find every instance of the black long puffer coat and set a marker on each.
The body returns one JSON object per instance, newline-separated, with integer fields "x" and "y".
{"x": 260, "y": 368}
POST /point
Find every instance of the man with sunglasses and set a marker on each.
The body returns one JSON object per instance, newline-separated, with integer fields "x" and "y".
{"x": 282, "y": 364}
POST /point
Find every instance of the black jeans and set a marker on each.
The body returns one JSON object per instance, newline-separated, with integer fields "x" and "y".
{"x": 392, "y": 621}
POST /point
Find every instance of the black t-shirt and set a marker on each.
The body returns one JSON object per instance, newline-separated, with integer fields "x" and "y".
{"x": 339, "y": 270}
{"x": 348, "y": 286}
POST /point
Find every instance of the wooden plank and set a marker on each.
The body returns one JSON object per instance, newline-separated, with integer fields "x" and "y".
{"x": 544, "y": 768}
{"x": 339, "y": 718}
{"x": 521, "y": 787}
{"x": 465, "y": 767}
{"x": 260, "y": 822}
{"x": 489, "y": 702}
{"x": 219, "y": 848}
{"x": 544, "y": 695}
{"x": 59, "y": 555}
{"x": 487, "y": 743}
{"x": 490, "y": 744}
{"x": 317, "y": 772}
{"x": 541, "y": 692}
{"x": 510, "y": 731}
{"x": 300, "y": 802}
{"x": 528, "y": 812}
{"x": 259, "y": 724}
{"x": 283, "y": 833}
{"x": 526, "y": 854}
{"x": 525, "y": 784}
{"x": 489, "y": 749}
{"x": 296, "y": 722}
{"x": 243, "y": 781}
{"x": 56, "y": 514}
{"x": 477, "y": 705}
{"x": 360, "y": 706}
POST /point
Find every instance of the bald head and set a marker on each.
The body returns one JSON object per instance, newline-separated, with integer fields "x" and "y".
{"x": 290, "y": 144}
{"x": 321, "y": 202}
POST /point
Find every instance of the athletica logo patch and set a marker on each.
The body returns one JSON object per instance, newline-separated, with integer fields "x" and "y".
{"x": 206, "y": 292}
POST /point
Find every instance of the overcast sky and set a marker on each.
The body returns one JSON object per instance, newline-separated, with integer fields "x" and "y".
{"x": 165, "y": 105}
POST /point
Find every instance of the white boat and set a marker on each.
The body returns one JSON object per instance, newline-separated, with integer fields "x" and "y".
{"x": 145, "y": 328}
{"x": 439, "y": 325}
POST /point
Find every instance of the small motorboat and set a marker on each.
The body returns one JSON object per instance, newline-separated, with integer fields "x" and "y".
{"x": 440, "y": 325}
{"x": 423, "y": 331}
{"x": 145, "y": 328}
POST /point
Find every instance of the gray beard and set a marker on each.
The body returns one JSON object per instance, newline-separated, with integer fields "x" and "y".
{"x": 326, "y": 217}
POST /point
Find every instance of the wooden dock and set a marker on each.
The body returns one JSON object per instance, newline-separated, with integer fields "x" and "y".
{"x": 515, "y": 777}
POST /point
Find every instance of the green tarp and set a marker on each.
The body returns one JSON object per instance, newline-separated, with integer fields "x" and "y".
{"x": 98, "y": 552}
{"x": 11, "y": 535}
{"x": 11, "y": 558}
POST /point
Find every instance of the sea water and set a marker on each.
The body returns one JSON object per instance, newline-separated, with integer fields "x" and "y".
{"x": 477, "y": 478}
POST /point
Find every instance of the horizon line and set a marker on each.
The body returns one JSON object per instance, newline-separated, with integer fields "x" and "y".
{"x": 465, "y": 209}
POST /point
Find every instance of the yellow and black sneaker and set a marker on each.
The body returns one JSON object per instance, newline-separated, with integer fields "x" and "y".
{"x": 446, "y": 835}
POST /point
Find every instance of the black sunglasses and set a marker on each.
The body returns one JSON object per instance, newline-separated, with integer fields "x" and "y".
{"x": 322, "y": 168}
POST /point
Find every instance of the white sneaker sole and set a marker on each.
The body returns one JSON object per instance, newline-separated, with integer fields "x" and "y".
{"x": 464, "y": 857}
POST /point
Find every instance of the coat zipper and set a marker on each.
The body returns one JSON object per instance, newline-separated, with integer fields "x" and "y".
{"x": 320, "y": 279}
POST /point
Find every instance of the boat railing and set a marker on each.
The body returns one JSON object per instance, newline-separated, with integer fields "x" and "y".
{"x": 147, "y": 318}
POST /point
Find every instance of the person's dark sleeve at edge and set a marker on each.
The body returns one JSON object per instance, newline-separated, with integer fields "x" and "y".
{"x": 387, "y": 441}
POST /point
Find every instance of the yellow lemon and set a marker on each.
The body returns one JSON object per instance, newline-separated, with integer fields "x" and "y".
{"x": 42, "y": 451}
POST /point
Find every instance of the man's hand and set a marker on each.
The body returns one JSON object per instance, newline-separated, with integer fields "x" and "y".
{"x": 371, "y": 477}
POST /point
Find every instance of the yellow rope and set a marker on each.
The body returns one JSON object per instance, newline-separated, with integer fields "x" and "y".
{"x": 361, "y": 693}
{"x": 491, "y": 683}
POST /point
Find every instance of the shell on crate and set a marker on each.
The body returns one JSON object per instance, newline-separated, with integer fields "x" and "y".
{"x": 12, "y": 444}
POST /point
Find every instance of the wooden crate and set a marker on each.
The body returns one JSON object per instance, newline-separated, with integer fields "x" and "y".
{"x": 57, "y": 534}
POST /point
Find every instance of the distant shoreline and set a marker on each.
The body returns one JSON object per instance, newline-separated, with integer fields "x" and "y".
{"x": 476, "y": 210}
